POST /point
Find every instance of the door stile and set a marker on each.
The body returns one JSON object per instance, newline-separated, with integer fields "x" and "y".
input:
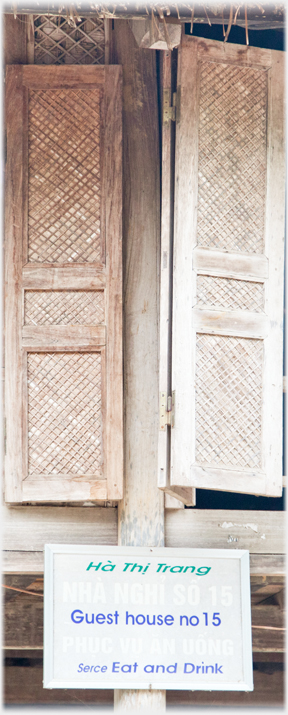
{"x": 13, "y": 290}
{"x": 183, "y": 343}
{"x": 165, "y": 275}
{"x": 113, "y": 227}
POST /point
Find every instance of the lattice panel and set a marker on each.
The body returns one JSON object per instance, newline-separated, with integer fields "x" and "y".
{"x": 64, "y": 176}
{"x": 57, "y": 41}
{"x": 228, "y": 401}
{"x": 64, "y": 307}
{"x": 64, "y": 413}
{"x": 229, "y": 293}
{"x": 232, "y": 158}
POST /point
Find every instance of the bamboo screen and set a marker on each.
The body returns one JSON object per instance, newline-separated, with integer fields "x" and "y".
{"x": 232, "y": 158}
{"x": 228, "y": 293}
{"x": 57, "y": 41}
{"x": 229, "y": 400}
{"x": 231, "y": 215}
{"x": 64, "y": 413}
{"x": 64, "y": 307}
{"x": 64, "y": 188}
{"x": 64, "y": 176}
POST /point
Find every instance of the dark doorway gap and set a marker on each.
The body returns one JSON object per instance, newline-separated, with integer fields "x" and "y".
{"x": 208, "y": 499}
{"x": 269, "y": 39}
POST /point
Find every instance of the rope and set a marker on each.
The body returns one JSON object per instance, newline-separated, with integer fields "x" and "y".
{"x": 21, "y": 590}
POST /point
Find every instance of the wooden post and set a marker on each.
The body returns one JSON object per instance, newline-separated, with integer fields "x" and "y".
{"x": 107, "y": 34}
{"x": 30, "y": 39}
{"x": 15, "y": 39}
{"x": 141, "y": 513}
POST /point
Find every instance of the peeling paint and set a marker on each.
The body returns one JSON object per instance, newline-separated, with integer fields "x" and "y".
{"x": 228, "y": 524}
{"x": 254, "y": 527}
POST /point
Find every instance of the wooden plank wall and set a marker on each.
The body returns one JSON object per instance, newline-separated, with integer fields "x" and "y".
{"x": 23, "y": 627}
{"x": 260, "y": 532}
{"x": 24, "y": 686}
{"x": 27, "y": 529}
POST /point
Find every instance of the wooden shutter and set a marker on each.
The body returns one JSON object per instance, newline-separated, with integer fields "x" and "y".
{"x": 63, "y": 289}
{"x": 228, "y": 269}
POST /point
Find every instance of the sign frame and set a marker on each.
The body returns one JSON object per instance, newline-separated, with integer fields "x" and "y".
{"x": 129, "y": 551}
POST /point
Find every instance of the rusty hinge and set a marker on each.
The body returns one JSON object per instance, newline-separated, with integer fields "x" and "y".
{"x": 167, "y": 415}
{"x": 169, "y": 112}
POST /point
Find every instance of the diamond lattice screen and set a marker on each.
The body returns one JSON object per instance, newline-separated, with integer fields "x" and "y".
{"x": 230, "y": 293}
{"x": 57, "y": 40}
{"x": 64, "y": 413}
{"x": 232, "y": 158}
{"x": 64, "y": 307}
{"x": 228, "y": 401}
{"x": 64, "y": 176}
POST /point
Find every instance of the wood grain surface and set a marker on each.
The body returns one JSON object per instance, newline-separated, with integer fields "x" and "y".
{"x": 24, "y": 219}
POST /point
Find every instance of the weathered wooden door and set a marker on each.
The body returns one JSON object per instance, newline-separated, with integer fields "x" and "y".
{"x": 228, "y": 270}
{"x": 63, "y": 284}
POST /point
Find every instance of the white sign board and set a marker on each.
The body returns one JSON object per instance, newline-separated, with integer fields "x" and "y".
{"x": 128, "y": 617}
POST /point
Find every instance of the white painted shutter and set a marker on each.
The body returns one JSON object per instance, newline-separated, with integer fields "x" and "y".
{"x": 228, "y": 269}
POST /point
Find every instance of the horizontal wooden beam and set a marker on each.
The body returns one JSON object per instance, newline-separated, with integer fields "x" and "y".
{"x": 268, "y": 566}
{"x": 268, "y": 629}
{"x": 257, "y": 531}
{"x": 24, "y": 686}
{"x": 268, "y": 691}
{"x": 28, "y": 528}
{"x": 23, "y": 624}
{"x": 37, "y": 654}
{"x": 263, "y": 567}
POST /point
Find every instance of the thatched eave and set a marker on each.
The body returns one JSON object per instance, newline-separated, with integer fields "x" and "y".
{"x": 259, "y": 16}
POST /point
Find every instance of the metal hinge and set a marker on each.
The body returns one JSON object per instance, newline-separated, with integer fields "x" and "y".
{"x": 169, "y": 112}
{"x": 167, "y": 415}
